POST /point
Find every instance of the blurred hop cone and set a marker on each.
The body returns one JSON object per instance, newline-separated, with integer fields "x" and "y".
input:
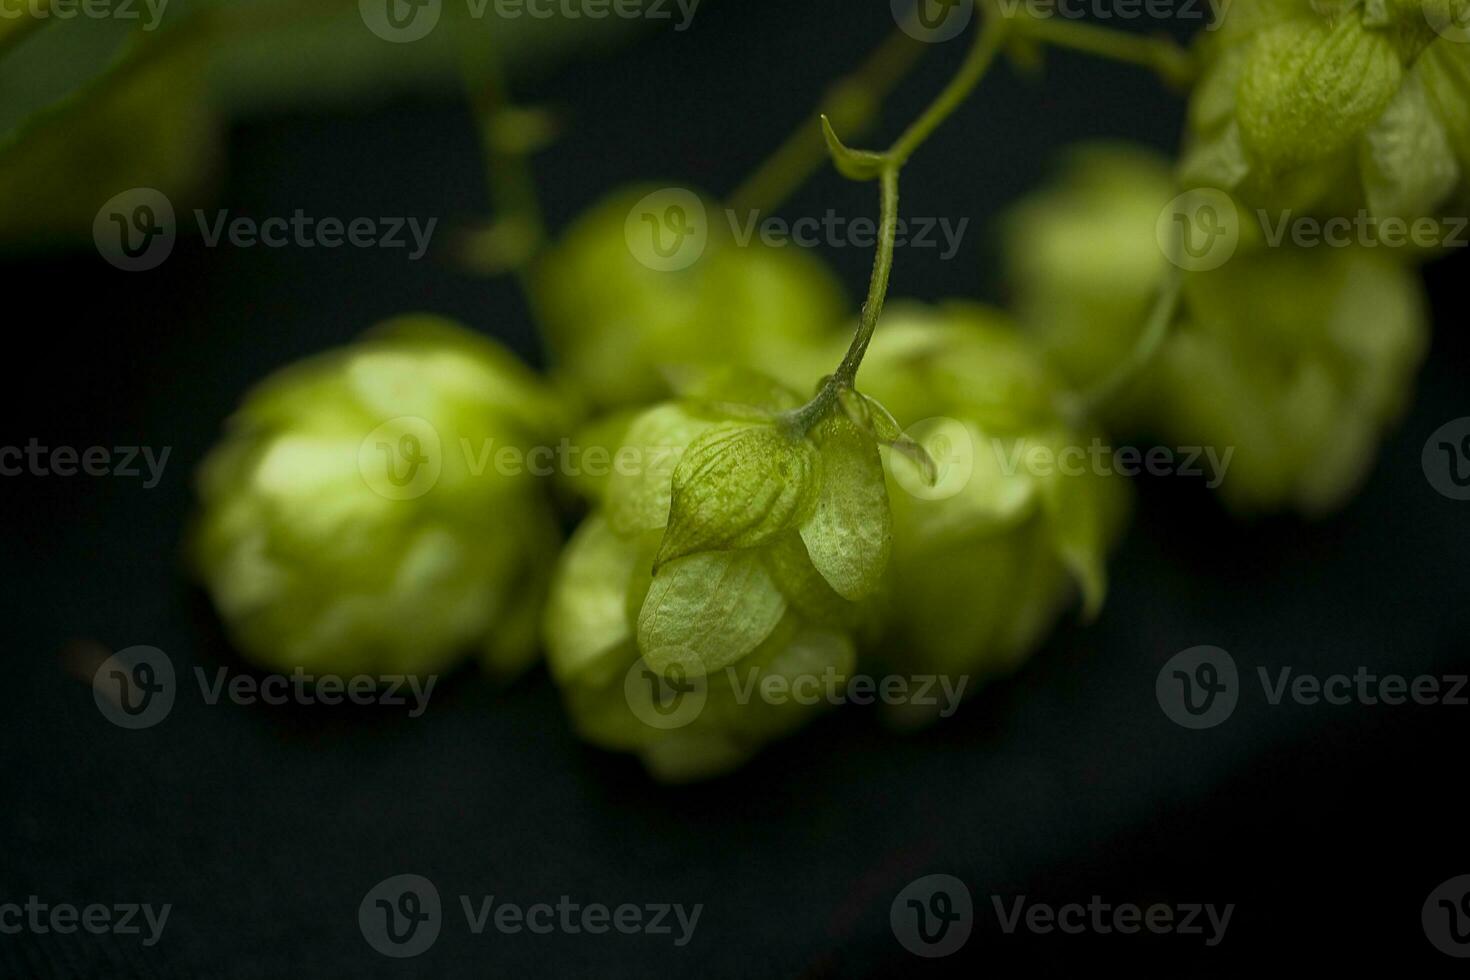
{"x": 710, "y": 602}
{"x": 1020, "y": 517}
{"x": 653, "y": 283}
{"x": 372, "y": 509}
{"x": 1295, "y": 359}
{"x": 1331, "y": 106}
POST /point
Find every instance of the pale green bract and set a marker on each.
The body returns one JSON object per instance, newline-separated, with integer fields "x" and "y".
{"x": 741, "y": 301}
{"x": 1331, "y": 107}
{"x": 986, "y": 559}
{"x": 760, "y": 554}
{"x": 359, "y": 517}
{"x": 1293, "y": 360}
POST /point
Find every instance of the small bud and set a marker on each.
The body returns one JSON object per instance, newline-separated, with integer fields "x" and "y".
{"x": 738, "y": 486}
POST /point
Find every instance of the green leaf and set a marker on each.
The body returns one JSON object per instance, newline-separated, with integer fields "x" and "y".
{"x": 707, "y": 611}
{"x": 850, "y": 163}
{"x": 640, "y": 486}
{"x": 1408, "y": 165}
{"x": 738, "y": 486}
{"x": 1083, "y": 515}
{"x": 805, "y": 589}
{"x": 740, "y": 392}
{"x": 869, "y": 415}
{"x": 1310, "y": 89}
{"x": 585, "y": 620}
{"x": 850, "y": 531}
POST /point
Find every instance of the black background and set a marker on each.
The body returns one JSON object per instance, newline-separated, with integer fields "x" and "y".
{"x": 1327, "y": 827}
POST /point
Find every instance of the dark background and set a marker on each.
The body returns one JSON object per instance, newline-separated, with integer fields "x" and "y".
{"x": 1327, "y": 827}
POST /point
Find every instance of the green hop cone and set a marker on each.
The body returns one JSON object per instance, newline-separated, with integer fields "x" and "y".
{"x": 660, "y": 285}
{"x": 371, "y": 509}
{"x": 1333, "y": 107}
{"x": 1297, "y": 360}
{"x": 1016, "y": 520}
{"x": 1291, "y": 360}
{"x": 1083, "y": 263}
{"x": 728, "y": 553}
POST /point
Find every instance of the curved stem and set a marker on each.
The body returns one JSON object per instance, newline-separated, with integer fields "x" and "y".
{"x": 982, "y": 54}
{"x": 878, "y": 282}
{"x": 988, "y": 43}
{"x": 852, "y": 104}
{"x": 1155, "y": 52}
{"x": 1155, "y": 332}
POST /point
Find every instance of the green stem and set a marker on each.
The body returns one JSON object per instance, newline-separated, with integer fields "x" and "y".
{"x": 878, "y": 281}
{"x": 988, "y": 43}
{"x": 1155, "y": 332}
{"x": 1157, "y": 53}
{"x": 512, "y": 188}
{"x": 852, "y": 104}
